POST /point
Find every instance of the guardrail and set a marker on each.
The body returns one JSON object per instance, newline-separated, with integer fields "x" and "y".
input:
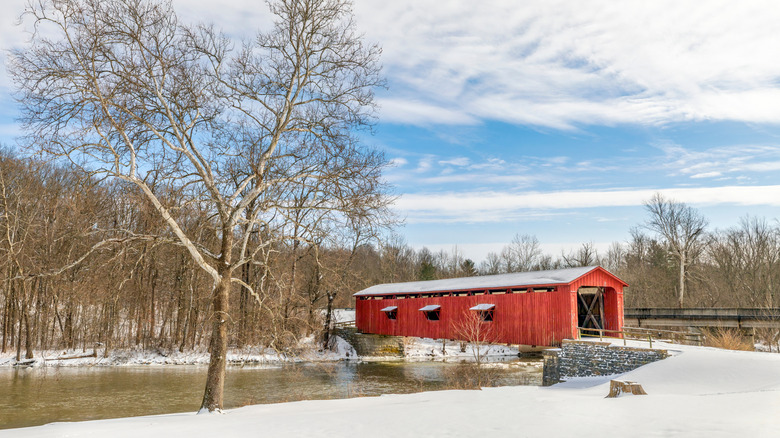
{"x": 642, "y": 334}
{"x": 704, "y": 317}
{"x": 343, "y": 324}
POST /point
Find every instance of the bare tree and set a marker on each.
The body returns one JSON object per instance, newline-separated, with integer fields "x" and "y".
{"x": 123, "y": 90}
{"x": 615, "y": 258}
{"x": 585, "y": 255}
{"x": 475, "y": 327}
{"x": 682, "y": 228}
{"x": 522, "y": 254}
{"x": 491, "y": 265}
{"x": 746, "y": 258}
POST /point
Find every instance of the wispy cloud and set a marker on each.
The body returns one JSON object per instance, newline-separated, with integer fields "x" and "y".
{"x": 414, "y": 112}
{"x": 560, "y": 64}
{"x": 733, "y": 160}
{"x": 553, "y": 63}
{"x": 398, "y": 162}
{"x": 451, "y": 173}
{"x": 457, "y": 161}
{"x": 498, "y": 206}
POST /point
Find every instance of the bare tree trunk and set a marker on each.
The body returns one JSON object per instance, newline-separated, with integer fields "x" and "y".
{"x": 682, "y": 281}
{"x": 8, "y": 326}
{"x": 243, "y": 305}
{"x": 215, "y": 380}
{"x": 328, "y": 316}
{"x": 28, "y": 331}
{"x": 22, "y": 312}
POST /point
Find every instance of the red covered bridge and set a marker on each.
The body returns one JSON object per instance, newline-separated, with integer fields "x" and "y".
{"x": 527, "y": 308}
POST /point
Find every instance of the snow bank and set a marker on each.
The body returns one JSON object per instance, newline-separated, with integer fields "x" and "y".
{"x": 343, "y": 315}
{"x": 308, "y": 351}
{"x": 698, "y": 392}
{"x": 425, "y": 348}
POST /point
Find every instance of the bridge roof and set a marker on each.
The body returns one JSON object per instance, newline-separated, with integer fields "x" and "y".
{"x": 517, "y": 279}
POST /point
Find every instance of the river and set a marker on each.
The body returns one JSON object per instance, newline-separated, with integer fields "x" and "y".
{"x": 35, "y": 396}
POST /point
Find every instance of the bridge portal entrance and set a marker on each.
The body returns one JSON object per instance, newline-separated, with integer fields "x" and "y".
{"x": 590, "y": 307}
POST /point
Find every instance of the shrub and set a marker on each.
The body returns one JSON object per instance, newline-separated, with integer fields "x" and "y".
{"x": 727, "y": 339}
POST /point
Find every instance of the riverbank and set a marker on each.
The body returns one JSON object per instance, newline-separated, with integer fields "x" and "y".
{"x": 307, "y": 351}
{"x": 698, "y": 392}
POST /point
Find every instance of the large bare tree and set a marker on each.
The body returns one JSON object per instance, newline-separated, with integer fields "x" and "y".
{"x": 193, "y": 119}
{"x": 682, "y": 228}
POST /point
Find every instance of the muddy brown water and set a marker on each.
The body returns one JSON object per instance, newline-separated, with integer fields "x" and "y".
{"x": 35, "y": 396}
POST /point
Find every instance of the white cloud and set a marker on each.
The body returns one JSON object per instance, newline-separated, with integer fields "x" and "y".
{"x": 553, "y": 63}
{"x": 424, "y": 164}
{"x": 706, "y": 175}
{"x": 718, "y": 161}
{"x": 398, "y": 162}
{"x": 414, "y": 112}
{"x": 499, "y": 206}
{"x": 457, "y": 161}
{"x": 559, "y": 64}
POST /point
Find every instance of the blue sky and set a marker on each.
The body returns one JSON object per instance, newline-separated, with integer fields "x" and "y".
{"x": 556, "y": 118}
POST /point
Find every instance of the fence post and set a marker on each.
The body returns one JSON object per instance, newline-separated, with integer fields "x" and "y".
{"x": 650, "y": 338}
{"x": 601, "y": 335}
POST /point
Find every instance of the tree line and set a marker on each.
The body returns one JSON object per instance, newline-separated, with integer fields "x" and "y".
{"x": 88, "y": 261}
{"x": 672, "y": 259}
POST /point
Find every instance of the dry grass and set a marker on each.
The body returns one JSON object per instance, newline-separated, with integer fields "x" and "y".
{"x": 727, "y": 339}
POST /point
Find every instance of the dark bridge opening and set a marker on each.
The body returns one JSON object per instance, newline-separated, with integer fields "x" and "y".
{"x": 590, "y": 307}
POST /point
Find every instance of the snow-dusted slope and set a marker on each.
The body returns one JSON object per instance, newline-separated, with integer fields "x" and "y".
{"x": 699, "y": 392}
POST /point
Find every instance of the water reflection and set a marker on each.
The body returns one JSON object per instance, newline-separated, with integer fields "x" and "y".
{"x": 33, "y": 396}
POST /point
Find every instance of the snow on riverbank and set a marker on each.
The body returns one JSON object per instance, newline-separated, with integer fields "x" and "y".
{"x": 414, "y": 348}
{"x": 698, "y": 392}
{"x": 425, "y": 348}
{"x": 307, "y": 352}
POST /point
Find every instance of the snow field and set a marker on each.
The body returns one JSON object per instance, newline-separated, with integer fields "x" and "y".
{"x": 698, "y": 392}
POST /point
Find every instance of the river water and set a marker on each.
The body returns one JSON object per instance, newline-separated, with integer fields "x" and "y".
{"x": 34, "y": 396}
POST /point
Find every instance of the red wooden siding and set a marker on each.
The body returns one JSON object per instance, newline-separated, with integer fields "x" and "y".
{"x": 613, "y": 310}
{"x": 530, "y": 318}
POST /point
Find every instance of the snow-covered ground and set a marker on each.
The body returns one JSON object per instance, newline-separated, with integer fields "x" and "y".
{"x": 437, "y": 349}
{"x": 698, "y": 392}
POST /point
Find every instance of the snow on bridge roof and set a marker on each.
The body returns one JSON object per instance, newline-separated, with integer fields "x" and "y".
{"x": 534, "y": 278}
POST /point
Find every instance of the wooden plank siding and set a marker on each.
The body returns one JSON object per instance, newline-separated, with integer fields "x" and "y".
{"x": 528, "y": 318}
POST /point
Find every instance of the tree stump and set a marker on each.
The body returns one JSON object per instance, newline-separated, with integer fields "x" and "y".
{"x": 617, "y": 387}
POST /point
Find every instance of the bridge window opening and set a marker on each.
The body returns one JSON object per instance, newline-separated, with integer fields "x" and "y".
{"x": 485, "y": 311}
{"x": 391, "y": 312}
{"x": 590, "y": 307}
{"x": 431, "y": 312}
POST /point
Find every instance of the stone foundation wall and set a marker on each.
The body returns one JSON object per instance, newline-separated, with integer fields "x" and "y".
{"x": 372, "y": 345}
{"x": 585, "y": 359}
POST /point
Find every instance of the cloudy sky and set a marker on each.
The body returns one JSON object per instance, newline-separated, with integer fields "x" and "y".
{"x": 554, "y": 118}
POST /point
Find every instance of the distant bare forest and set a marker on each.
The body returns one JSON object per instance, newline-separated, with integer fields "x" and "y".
{"x": 87, "y": 261}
